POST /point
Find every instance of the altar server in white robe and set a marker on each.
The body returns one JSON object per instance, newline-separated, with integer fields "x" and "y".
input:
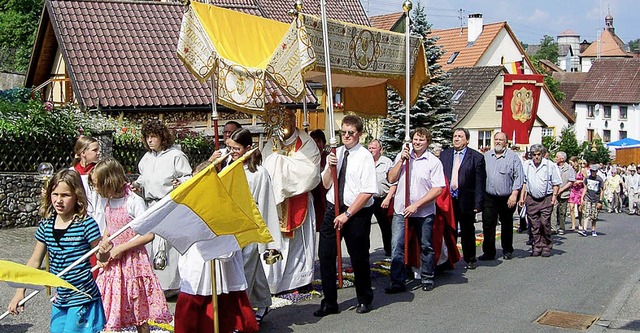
{"x": 239, "y": 143}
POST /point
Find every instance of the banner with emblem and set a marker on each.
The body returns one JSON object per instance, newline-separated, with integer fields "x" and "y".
{"x": 242, "y": 51}
{"x": 520, "y": 105}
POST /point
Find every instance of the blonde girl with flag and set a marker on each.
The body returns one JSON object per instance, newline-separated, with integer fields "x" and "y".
{"x": 66, "y": 233}
{"x": 131, "y": 292}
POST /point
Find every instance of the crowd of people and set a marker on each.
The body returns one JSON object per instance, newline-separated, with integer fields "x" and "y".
{"x": 422, "y": 200}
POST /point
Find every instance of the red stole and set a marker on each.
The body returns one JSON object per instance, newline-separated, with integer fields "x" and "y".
{"x": 84, "y": 170}
{"x": 294, "y": 209}
{"x": 444, "y": 229}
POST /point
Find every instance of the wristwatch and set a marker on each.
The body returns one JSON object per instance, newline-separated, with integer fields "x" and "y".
{"x": 347, "y": 214}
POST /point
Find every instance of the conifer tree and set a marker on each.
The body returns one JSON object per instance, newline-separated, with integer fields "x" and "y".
{"x": 433, "y": 108}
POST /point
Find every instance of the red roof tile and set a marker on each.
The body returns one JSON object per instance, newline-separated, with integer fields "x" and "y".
{"x": 455, "y": 40}
{"x": 122, "y": 54}
{"x": 386, "y": 21}
{"x": 343, "y": 10}
{"x": 610, "y": 45}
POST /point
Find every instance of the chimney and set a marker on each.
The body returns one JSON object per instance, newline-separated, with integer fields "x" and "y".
{"x": 474, "y": 28}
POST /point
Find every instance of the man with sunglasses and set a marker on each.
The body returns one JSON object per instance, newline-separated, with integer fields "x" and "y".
{"x": 539, "y": 194}
{"x": 356, "y": 186}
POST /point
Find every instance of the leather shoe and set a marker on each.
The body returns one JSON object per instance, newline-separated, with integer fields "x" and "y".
{"x": 394, "y": 289}
{"x": 326, "y": 310}
{"x": 471, "y": 265}
{"x": 507, "y": 256}
{"x": 363, "y": 308}
{"x": 427, "y": 287}
{"x": 485, "y": 257}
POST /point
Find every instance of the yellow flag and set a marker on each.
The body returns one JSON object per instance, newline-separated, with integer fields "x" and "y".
{"x": 21, "y": 276}
{"x": 216, "y": 216}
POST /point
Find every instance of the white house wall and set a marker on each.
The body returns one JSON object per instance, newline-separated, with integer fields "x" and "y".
{"x": 597, "y": 123}
{"x": 502, "y": 51}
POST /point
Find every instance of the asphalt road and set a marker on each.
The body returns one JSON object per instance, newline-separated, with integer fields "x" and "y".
{"x": 588, "y": 275}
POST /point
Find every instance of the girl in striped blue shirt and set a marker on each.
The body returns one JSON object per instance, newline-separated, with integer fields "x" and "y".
{"x": 66, "y": 233}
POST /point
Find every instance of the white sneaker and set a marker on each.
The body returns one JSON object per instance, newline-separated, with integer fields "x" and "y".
{"x": 594, "y": 234}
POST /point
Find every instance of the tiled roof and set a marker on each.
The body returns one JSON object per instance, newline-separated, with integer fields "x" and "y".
{"x": 610, "y": 46}
{"x": 342, "y": 10}
{"x": 552, "y": 66}
{"x": 564, "y": 49}
{"x": 386, "y": 21}
{"x": 569, "y": 84}
{"x": 122, "y": 54}
{"x": 611, "y": 81}
{"x": 474, "y": 81}
{"x": 532, "y": 49}
{"x": 455, "y": 40}
{"x": 568, "y": 33}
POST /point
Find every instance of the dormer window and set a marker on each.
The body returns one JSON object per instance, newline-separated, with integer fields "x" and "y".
{"x": 452, "y": 58}
{"x": 457, "y": 95}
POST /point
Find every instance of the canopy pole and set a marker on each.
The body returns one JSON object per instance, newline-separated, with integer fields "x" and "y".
{"x": 305, "y": 111}
{"x": 333, "y": 141}
{"x": 214, "y": 112}
{"x": 406, "y": 6}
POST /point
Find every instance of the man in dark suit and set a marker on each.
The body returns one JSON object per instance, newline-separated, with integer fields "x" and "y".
{"x": 465, "y": 170}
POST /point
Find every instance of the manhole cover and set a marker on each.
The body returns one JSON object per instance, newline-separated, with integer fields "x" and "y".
{"x": 567, "y": 320}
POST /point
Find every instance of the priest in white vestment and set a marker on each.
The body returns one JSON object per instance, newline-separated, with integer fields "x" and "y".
{"x": 294, "y": 169}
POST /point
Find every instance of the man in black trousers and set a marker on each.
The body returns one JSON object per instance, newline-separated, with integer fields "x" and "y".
{"x": 465, "y": 169}
{"x": 504, "y": 182}
{"x": 356, "y": 186}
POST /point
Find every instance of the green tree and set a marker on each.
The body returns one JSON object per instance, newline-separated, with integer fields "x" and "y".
{"x": 433, "y": 107}
{"x": 568, "y": 143}
{"x": 634, "y": 45}
{"x": 18, "y": 23}
{"x": 548, "y": 49}
{"x": 597, "y": 153}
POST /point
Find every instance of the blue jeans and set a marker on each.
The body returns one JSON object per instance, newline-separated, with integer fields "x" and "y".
{"x": 423, "y": 227}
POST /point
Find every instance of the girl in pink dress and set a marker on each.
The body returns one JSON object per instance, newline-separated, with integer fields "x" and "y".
{"x": 576, "y": 192}
{"x": 130, "y": 290}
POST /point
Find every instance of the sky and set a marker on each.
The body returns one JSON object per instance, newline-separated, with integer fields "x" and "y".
{"x": 530, "y": 20}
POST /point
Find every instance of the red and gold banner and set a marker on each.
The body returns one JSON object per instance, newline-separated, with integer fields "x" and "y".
{"x": 521, "y": 97}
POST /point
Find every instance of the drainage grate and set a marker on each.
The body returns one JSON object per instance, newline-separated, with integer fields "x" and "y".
{"x": 567, "y": 320}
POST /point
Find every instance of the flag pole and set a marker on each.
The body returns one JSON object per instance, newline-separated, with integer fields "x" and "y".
{"x": 406, "y": 7}
{"x": 214, "y": 297}
{"x": 70, "y": 267}
{"x": 333, "y": 142}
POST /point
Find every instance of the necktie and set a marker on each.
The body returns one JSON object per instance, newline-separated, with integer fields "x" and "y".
{"x": 454, "y": 172}
{"x": 341, "y": 178}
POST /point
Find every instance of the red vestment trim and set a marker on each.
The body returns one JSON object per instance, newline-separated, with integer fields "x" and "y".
{"x": 295, "y": 208}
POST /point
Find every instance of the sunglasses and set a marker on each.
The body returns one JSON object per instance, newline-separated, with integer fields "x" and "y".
{"x": 348, "y": 133}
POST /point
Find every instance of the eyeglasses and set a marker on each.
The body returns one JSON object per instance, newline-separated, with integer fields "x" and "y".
{"x": 536, "y": 154}
{"x": 235, "y": 149}
{"x": 349, "y": 133}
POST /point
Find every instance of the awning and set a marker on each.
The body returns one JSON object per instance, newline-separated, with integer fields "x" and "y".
{"x": 242, "y": 51}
